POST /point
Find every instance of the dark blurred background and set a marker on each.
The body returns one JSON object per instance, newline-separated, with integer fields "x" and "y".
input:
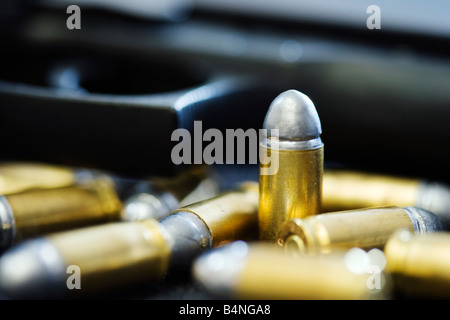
{"x": 110, "y": 94}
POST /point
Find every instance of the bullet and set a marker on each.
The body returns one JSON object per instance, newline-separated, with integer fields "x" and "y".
{"x": 105, "y": 255}
{"x": 127, "y": 253}
{"x": 262, "y": 271}
{"x": 156, "y": 198}
{"x": 233, "y": 215}
{"x": 295, "y": 190}
{"x": 36, "y": 212}
{"x": 350, "y": 189}
{"x": 365, "y": 228}
{"x": 419, "y": 264}
{"x": 22, "y": 176}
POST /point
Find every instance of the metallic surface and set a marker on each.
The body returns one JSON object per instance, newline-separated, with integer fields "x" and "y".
{"x": 127, "y": 253}
{"x": 294, "y": 115}
{"x": 108, "y": 256}
{"x": 157, "y": 197}
{"x": 347, "y": 189}
{"x": 365, "y": 228}
{"x": 33, "y": 269}
{"x": 151, "y": 205}
{"x": 435, "y": 197}
{"x": 8, "y": 229}
{"x": 40, "y": 211}
{"x": 229, "y": 216}
{"x": 295, "y": 190}
{"x": 263, "y": 271}
{"x": 190, "y": 237}
{"x": 424, "y": 221}
{"x": 115, "y": 254}
{"x": 20, "y": 176}
{"x": 419, "y": 264}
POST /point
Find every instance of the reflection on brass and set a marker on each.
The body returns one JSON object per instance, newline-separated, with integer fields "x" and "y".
{"x": 231, "y": 215}
{"x": 365, "y": 228}
{"x": 346, "y": 189}
{"x": 419, "y": 264}
{"x": 115, "y": 254}
{"x": 40, "y": 211}
{"x": 262, "y": 271}
{"x": 126, "y": 253}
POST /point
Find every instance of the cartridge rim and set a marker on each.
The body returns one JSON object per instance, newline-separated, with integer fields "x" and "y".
{"x": 294, "y": 245}
{"x": 296, "y": 237}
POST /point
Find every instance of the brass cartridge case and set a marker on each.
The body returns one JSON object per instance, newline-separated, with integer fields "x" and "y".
{"x": 20, "y": 176}
{"x": 229, "y": 216}
{"x": 294, "y": 190}
{"x": 40, "y": 211}
{"x": 126, "y": 252}
{"x": 419, "y": 264}
{"x": 365, "y": 228}
{"x": 263, "y": 271}
{"x": 115, "y": 254}
{"x": 348, "y": 189}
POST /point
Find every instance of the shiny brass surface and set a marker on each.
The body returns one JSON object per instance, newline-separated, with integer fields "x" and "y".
{"x": 365, "y": 228}
{"x": 345, "y": 189}
{"x": 419, "y": 264}
{"x": 231, "y": 215}
{"x": 269, "y": 273}
{"x": 41, "y": 211}
{"x": 115, "y": 254}
{"x": 295, "y": 191}
{"x": 20, "y": 176}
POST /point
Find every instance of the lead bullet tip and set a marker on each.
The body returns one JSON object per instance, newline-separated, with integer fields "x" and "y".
{"x": 295, "y": 116}
{"x": 30, "y": 270}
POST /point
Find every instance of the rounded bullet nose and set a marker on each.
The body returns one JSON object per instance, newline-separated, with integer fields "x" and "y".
{"x": 294, "y": 115}
{"x": 31, "y": 270}
{"x": 435, "y": 197}
{"x": 144, "y": 206}
{"x": 218, "y": 269}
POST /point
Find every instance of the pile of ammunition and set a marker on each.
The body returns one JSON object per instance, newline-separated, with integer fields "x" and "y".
{"x": 300, "y": 232}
